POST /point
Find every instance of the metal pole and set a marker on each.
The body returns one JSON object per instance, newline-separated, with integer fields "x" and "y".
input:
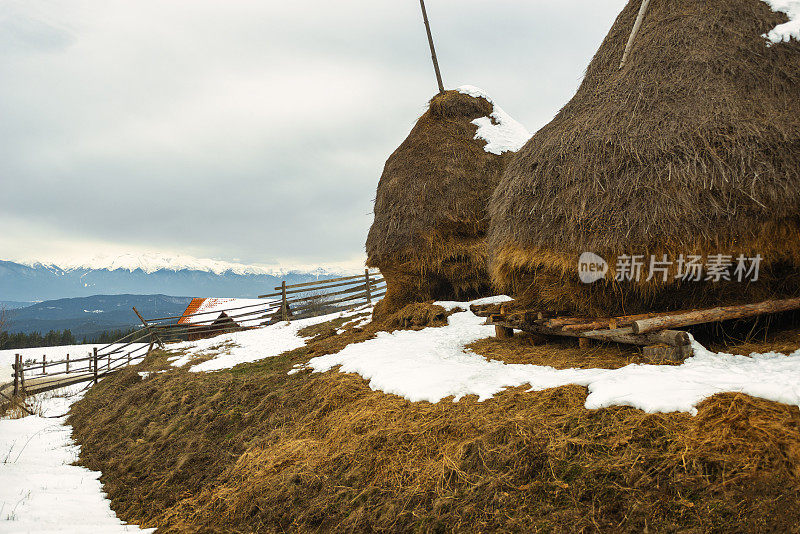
{"x": 430, "y": 43}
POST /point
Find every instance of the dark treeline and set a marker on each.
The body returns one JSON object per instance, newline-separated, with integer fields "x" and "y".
{"x": 55, "y": 338}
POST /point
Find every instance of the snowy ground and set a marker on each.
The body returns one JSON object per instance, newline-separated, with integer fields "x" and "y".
{"x": 432, "y": 364}
{"x": 53, "y": 354}
{"x": 40, "y": 491}
{"x": 232, "y": 349}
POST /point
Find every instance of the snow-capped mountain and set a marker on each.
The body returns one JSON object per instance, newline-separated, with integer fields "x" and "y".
{"x": 152, "y": 274}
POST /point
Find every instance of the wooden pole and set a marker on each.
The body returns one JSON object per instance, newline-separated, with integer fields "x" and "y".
{"x": 16, "y": 374}
{"x": 95, "y": 365}
{"x": 723, "y": 313}
{"x": 158, "y": 339}
{"x": 44, "y": 364}
{"x": 430, "y": 43}
{"x": 634, "y": 31}
{"x": 108, "y": 364}
{"x": 284, "y": 304}
{"x": 68, "y": 363}
{"x": 366, "y": 278}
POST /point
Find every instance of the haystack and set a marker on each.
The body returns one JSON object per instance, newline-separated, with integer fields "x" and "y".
{"x": 693, "y": 148}
{"x": 428, "y": 236}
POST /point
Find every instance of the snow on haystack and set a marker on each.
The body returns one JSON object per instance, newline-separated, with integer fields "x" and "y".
{"x": 500, "y": 131}
{"x": 432, "y": 364}
{"x": 785, "y": 32}
{"x": 40, "y": 489}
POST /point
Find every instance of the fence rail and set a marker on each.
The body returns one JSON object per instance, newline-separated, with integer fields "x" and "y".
{"x": 290, "y": 302}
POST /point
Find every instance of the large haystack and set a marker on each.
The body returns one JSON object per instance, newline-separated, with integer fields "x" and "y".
{"x": 428, "y": 237}
{"x": 693, "y": 147}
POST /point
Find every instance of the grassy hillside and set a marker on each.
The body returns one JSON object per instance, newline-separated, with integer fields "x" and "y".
{"x": 256, "y": 449}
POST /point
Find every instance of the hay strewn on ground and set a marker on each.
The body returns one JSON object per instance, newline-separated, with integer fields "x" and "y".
{"x": 256, "y": 450}
{"x": 692, "y": 148}
{"x": 430, "y": 208}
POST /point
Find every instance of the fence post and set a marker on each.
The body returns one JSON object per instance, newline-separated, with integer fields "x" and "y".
{"x": 95, "y": 365}
{"x": 369, "y": 294}
{"x": 44, "y": 364}
{"x": 108, "y": 365}
{"x": 67, "y": 363}
{"x": 16, "y": 374}
{"x": 129, "y": 358}
{"x": 284, "y": 304}
{"x": 90, "y": 362}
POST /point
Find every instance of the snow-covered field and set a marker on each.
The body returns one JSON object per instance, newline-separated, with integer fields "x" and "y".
{"x": 55, "y": 354}
{"x": 232, "y": 349}
{"x": 432, "y": 364}
{"x": 40, "y": 491}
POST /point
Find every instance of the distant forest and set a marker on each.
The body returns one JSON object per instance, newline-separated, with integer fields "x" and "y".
{"x": 55, "y": 338}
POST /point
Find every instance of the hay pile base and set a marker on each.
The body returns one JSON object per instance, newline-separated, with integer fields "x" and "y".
{"x": 256, "y": 450}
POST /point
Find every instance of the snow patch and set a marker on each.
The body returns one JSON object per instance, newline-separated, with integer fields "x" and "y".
{"x": 500, "y": 131}
{"x": 432, "y": 364}
{"x": 787, "y": 31}
{"x": 229, "y": 350}
{"x": 40, "y": 489}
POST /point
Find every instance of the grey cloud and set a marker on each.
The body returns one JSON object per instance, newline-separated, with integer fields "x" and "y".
{"x": 251, "y": 130}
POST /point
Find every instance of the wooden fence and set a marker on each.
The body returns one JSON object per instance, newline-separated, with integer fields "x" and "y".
{"x": 288, "y": 302}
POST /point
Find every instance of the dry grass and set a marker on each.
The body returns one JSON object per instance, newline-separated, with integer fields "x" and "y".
{"x": 256, "y": 450}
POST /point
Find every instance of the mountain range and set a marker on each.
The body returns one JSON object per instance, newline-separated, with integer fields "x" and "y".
{"x": 89, "y": 316}
{"x": 150, "y": 274}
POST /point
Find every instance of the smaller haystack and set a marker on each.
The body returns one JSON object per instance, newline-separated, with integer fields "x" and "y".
{"x": 430, "y": 209}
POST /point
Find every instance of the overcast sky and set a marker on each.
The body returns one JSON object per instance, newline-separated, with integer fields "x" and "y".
{"x": 246, "y": 131}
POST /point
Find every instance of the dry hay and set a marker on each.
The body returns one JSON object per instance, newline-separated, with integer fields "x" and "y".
{"x": 428, "y": 236}
{"x": 417, "y": 316}
{"x": 692, "y": 148}
{"x": 257, "y": 450}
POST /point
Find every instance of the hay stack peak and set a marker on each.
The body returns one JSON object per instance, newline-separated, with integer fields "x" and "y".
{"x": 428, "y": 236}
{"x": 692, "y": 148}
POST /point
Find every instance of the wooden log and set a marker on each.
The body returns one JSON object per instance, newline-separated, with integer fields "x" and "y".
{"x": 722, "y": 313}
{"x": 582, "y": 327}
{"x": 563, "y": 321}
{"x": 619, "y": 335}
{"x": 503, "y": 332}
{"x": 662, "y": 351}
